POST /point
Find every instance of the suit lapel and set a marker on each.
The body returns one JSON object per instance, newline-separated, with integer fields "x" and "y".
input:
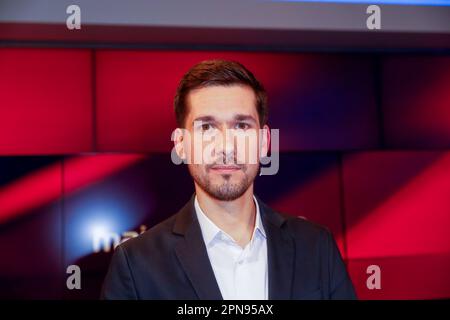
{"x": 192, "y": 254}
{"x": 280, "y": 254}
{"x": 193, "y": 257}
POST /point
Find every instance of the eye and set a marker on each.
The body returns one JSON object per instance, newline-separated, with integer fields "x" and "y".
{"x": 242, "y": 125}
{"x": 206, "y": 126}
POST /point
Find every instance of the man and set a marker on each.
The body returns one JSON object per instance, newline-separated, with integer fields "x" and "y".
{"x": 225, "y": 243}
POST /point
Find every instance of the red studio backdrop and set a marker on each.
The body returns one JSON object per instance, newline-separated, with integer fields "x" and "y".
{"x": 85, "y": 145}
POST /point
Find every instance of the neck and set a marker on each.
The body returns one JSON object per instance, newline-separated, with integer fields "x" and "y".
{"x": 235, "y": 217}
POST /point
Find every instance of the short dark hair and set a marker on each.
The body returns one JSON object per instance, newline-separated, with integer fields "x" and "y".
{"x": 218, "y": 73}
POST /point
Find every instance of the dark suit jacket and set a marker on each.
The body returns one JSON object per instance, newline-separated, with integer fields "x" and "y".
{"x": 170, "y": 261}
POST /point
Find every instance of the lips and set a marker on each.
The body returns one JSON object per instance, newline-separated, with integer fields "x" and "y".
{"x": 225, "y": 168}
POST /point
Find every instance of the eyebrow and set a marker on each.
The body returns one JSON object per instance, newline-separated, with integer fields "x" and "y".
{"x": 204, "y": 119}
{"x": 244, "y": 117}
{"x": 236, "y": 117}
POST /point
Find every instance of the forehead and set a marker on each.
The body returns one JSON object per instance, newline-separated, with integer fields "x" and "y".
{"x": 221, "y": 102}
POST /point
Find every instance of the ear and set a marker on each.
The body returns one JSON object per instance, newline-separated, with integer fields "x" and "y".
{"x": 178, "y": 137}
{"x": 265, "y": 141}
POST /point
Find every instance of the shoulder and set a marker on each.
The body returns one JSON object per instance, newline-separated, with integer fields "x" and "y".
{"x": 298, "y": 226}
{"x": 313, "y": 241}
{"x": 301, "y": 225}
{"x": 158, "y": 237}
{"x": 305, "y": 231}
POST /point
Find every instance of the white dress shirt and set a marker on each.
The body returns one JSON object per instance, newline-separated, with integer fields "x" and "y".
{"x": 241, "y": 273}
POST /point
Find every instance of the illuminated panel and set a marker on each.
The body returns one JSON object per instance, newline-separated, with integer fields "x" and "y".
{"x": 400, "y": 2}
{"x": 45, "y": 101}
{"x": 31, "y": 238}
{"x": 397, "y": 216}
{"x": 317, "y": 101}
{"x": 306, "y": 185}
{"x": 397, "y": 203}
{"x": 416, "y": 101}
{"x": 411, "y": 277}
{"x": 29, "y": 192}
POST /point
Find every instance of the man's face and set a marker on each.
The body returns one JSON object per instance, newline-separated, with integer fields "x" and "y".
{"x": 227, "y": 168}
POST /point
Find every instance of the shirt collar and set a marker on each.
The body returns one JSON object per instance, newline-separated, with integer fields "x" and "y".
{"x": 210, "y": 230}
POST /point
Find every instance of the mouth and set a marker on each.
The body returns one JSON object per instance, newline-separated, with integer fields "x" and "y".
{"x": 225, "y": 168}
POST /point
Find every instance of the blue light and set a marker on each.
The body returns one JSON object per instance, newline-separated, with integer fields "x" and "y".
{"x": 398, "y": 2}
{"x": 98, "y": 216}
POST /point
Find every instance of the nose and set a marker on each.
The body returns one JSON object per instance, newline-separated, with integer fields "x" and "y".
{"x": 224, "y": 147}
